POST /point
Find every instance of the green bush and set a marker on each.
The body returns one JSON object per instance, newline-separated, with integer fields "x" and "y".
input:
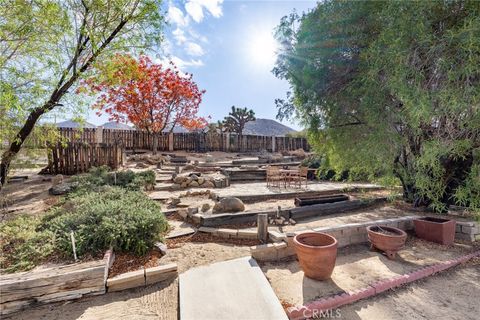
{"x": 23, "y": 247}
{"x": 100, "y": 176}
{"x": 102, "y": 217}
{"x": 109, "y": 216}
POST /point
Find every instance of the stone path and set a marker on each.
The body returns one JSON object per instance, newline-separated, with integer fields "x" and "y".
{"x": 235, "y": 289}
{"x": 261, "y": 188}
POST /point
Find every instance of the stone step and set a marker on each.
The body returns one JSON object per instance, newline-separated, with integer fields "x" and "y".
{"x": 234, "y": 289}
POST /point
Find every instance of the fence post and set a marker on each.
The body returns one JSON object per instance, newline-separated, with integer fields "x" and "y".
{"x": 99, "y": 134}
{"x": 170, "y": 141}
{"x": 227, "y": 142}
{"x": 273, "y": 144}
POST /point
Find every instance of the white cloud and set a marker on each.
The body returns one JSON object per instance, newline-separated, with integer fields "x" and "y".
{"x": 195, "y": 8}
{"x": 179, "y": 36}
{"x": 195, "y": 11}
{"x": 176, "y": 16}
{"x": 194, "y": 49}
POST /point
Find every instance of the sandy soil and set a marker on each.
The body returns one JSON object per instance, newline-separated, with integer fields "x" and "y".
{"x": 27, "y": 197}
{"x": 158, "y": 301}
{"x": 356, "y": 267}
{"x": 450, "y": 295}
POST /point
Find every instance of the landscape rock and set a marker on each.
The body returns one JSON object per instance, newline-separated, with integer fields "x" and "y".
{"x": 229, "y": 204}
{"x": 161, "y": 247}
{"x": 62, "y": 188}
{"x": 193, "y": 184}
{"x": 208, "y": 184}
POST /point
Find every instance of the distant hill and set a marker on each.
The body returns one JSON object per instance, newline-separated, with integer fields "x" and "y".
{"x": 266, "y": 127}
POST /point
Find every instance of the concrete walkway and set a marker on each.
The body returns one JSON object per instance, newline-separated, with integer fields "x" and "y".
{"x": 235, "y": 289}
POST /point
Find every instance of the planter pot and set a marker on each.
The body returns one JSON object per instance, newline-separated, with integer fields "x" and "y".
{"x": 386, "y": 239}
{"x": 435, "y": 229}
{"x": 316, "y": 254}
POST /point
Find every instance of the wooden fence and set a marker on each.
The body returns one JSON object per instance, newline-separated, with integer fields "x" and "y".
{"x": 193, "y": 141}
{"x": 78, "y": 157}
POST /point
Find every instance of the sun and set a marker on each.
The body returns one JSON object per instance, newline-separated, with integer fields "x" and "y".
{"x": 262, "y": 48}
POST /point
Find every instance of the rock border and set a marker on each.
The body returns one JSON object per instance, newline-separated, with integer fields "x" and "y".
{"x": 323, "y": 305}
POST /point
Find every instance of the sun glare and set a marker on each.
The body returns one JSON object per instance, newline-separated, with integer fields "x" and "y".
{"x": 262, "y": 48}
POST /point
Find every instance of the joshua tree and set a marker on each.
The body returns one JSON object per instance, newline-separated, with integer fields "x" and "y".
{"x": 237, "y": 118}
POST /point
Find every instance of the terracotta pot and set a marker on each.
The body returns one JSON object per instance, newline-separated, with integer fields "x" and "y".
{"x": 386, "y": 239}
{"x": 435, "y": 229}
{"x": 316, "y": 254}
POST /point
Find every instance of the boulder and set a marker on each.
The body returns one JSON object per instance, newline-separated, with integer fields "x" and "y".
{"x": 201, "y": 180}
{"x": 194, "y": 184}
{"x": 229, "y": 204}
{"x": 179, "y": 179}
{"x": 62, "y": 188}
{"x": 208, "y": 184}
{"x": 194, "y": 177}
{"x": 205, "y": 207}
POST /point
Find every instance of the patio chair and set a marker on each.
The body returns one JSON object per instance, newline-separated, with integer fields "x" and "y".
{"x": 274, "y": 177}
{"x": 301, "y": 177}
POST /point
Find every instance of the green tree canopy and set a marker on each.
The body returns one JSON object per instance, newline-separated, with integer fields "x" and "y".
{"x": 46, "y": 46}
{"x": 391, "y": 87}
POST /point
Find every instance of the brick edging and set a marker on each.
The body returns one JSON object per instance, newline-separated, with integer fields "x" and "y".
{"x": 338, "y": 300}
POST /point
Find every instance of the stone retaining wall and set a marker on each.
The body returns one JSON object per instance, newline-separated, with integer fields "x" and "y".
{"x": 468, "y": 231}
{"x": 346, "y": 234}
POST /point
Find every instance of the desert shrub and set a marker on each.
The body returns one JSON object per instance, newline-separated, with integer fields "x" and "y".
{"x": 22, "y": 245}
{"x": 107, "y": 216}
{"x": 100, "y": 176}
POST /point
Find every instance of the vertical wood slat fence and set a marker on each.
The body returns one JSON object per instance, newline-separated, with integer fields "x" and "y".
{"x": 192, "y": 141}
{"x": 79, "y": 157}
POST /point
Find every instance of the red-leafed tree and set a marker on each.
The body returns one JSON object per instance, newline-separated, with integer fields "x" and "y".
{"x": 152, "y": 97}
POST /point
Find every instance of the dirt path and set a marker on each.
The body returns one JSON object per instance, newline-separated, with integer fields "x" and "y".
{"x": 450, "y": 295}
{"x": 356, "y": 267}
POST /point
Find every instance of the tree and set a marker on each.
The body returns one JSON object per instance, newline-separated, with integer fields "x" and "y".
{"x": 48, "y": 45}
{"x": 152, "y": 97}
{"x": 237, "y": 118}
{"x": 395, "y": 80}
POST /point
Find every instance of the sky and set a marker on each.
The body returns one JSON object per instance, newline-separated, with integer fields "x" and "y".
{"x": 229, "y": 48}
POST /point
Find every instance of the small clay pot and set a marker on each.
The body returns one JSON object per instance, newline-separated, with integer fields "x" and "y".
{"x": 317, "y": 253}
{"x": 386, "y": 239}
{"x": 435, "y": 229}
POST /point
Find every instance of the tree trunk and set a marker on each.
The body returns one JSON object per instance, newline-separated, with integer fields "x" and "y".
{"x": 19, "y": 139}
{"x": 155, "y": 143}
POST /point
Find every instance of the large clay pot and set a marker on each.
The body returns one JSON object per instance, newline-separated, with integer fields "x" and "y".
{"x": 387, "y": 239}
{"x": 316, "y": 254}
{"x": 435, "y": 229}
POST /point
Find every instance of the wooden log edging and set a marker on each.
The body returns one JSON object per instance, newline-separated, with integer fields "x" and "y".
{"x": 20, "y": 290}
{"x": 323, "y": 305}
{"x": 292, "y": 195}
{"x": 289, "y": 213}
